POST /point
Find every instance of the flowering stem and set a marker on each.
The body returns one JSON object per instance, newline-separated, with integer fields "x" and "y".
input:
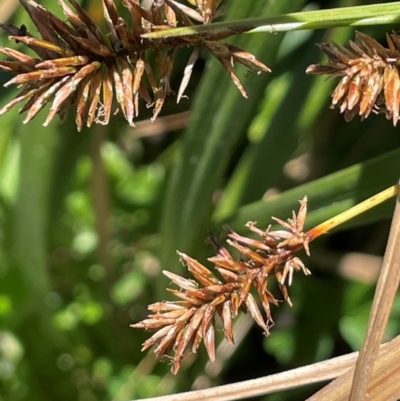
{"x": 375, "y": 14}
{"x": 354, "y": 211}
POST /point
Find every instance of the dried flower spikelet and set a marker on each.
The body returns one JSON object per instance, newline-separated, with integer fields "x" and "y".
{"x": 77, "y": 64}
{"x": 193, "y": 319}
{"x": 370, "y": 76}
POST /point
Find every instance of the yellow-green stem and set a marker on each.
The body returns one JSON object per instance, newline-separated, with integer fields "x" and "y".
{"x": 354, "y": 211}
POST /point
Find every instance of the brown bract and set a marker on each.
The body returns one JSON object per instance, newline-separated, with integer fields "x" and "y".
{"x": 192, "y": 320}
{"x": 78, "y": 64}
{"x": 370, "y": 76}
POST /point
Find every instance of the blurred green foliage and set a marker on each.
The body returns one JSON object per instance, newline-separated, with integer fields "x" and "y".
{"x": 88, "y": 221}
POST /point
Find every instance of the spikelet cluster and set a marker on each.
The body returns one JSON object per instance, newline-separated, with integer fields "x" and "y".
{"x": 78, "y": 64}
{"x": 369, "y": 76}
{"x": 192, "y": 320}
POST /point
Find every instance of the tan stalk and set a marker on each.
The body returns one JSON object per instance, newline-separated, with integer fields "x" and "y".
{"x": 388, "y": 283}
{"x": 384, "y": 384}
{"x": 389, "y": 357}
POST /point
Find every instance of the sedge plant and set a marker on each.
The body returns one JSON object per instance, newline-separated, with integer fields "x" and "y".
{"x": 98, "y": 71}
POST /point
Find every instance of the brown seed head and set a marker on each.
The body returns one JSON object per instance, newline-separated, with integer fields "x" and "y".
{"x": 369, "y": 76}
{"x": 192, "y": 319}
{"x": 78, "y": 64}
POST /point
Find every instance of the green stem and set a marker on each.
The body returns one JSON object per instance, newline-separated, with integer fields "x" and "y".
{"x": 354, "y": 211}
{"x": 375, "y": 14}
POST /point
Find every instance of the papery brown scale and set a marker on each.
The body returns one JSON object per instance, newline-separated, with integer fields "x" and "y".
{"x": 60, "y": 62}
{"x": 248, "y": 59}
{"x": 370, "y": 96}
{"x": 82, "y": 97}
{"x": 282, "y": 287}
{"x": 157, "y": 12}
{"x": 94, "y": 48}
{"x": 235, "y": 303}
{"x": 138, "y": 73}
{"x": 350, "y": 114}
{"x": 89, "y": 22}
{"x": 43, "y": 98}
{"x": 186, "y": 297}
{"x": 155, "y": 337}
{"x": 371, "y": 46}
{"x": 248, "y": 252}
{"x": 251, "y": 305}
{"x": 66, "y": 33}
{"x": 127, "y": 82}
{"x": 198, "y": 338}
{"x": 41, "y": 17}
{"x": 70, "y": 87}
{"x": 354, "y": 92}
{"x": 227, "y": 321}
{"x": 228, "y": 264}
{"x": 108, "y": 95}
{"x": 14, "y": 66}
{"x": 166, "y": 344}
{"x": 180, "y": 281}
{"x": 174, "y": 314}
{"x": 34, "y": 76}
{"x": 228, "y": 275}
{"x": 232, "y": 74}
{"x": 150, "y": 76}
{"x": 252, "y": 242}
{"x": 201, "y": 293}
{"x": 24, "y": 94}
{"x": 124, "y": 33}
{"x": 301, "y": 215}
{"x": 170, "y": 16}
{"x": 190, "y": 330}
{"x": 65, "y": 107}
{"x": 180, "y": 8}
{"x": 392, "y": 85}
{"x": 152, "y": 324}
{"x": 112, "y": 10}
{"x": 199, "y": 271}
{"x": 188, "y": 72}
{"x": 140, "y": 11}
{"x": 341, "y": 90}
{"x": 168, "y": 306}
{"x": 35, "y": 95}
{"x": 299, "y": 265}
{"x": 396, "y": 43}
{"x": 209, "y": 342}
{"x": 245, "y": 290}
{"x": 94, "y": 97}
{"x": 16, "y": 55}
{"x": 119, "y": 89}
{"x": 164, "y": 86}
{"x": 111, "y": 18}
{"x": 265, "y": 304}
{"x": 80, "y": 26}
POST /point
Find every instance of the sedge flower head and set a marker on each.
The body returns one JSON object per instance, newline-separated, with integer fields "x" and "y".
{"x": 369, "y": 76}
{"x": 78, "y": 65}
{"x": 180, "y": 325}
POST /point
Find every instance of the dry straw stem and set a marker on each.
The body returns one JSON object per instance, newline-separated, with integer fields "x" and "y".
{"x": 383, "y": 385}
{"x": 343, "y": 366}
{"x": 386, "y": 289}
